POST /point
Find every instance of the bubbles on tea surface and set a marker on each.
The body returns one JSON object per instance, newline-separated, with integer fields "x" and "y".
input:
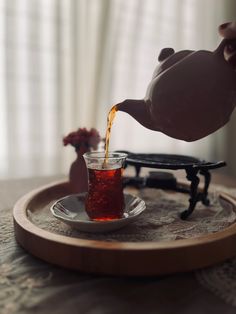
{"x": 103, "y": 166}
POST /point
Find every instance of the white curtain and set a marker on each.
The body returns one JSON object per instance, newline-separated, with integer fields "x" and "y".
{"x": 64, "y": 63}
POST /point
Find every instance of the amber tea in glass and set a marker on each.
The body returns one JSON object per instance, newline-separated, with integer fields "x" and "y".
{"x": 105, "y": 199}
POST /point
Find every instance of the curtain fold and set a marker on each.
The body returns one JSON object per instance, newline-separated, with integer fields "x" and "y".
{"x": 64, "y": 63}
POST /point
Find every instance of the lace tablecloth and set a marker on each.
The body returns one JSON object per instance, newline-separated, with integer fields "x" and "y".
{"x": 28, "y": 285}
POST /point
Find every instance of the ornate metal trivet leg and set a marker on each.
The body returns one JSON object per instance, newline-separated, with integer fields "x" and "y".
{"x": 137, "y": 170}
{"x": 194, "y": 196}
{"x": 207, "y": 177}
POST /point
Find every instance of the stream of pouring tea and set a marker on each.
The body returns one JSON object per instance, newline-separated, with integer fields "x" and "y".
{"x": 110, "y": 118}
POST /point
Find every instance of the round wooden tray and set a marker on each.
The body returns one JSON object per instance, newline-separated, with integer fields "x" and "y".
{"x": 117, "y": 258}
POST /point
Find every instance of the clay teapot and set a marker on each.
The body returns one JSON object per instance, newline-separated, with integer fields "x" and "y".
{"x": 191, "y": 95}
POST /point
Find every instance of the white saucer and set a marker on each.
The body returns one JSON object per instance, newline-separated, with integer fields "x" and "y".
{"x": 70, "y": 210}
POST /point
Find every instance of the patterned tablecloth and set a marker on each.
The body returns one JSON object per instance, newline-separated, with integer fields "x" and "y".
{"x": 28, "y": 285}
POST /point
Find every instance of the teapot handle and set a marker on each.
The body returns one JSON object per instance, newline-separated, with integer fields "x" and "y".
{"x": 220, "y": 50}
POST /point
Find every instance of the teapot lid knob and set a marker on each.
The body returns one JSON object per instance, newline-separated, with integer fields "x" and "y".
{"x": 165, "y": 53}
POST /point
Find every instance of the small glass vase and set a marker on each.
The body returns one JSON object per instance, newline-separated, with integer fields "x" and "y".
{"x": 78, "y": 176}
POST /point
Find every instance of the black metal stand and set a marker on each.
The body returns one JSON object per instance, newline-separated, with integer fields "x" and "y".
{"x": 192, "y": 166}
{"x": 195, "y": 195}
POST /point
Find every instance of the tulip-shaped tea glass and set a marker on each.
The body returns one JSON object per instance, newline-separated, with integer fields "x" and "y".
{"x": 105, "y": 199}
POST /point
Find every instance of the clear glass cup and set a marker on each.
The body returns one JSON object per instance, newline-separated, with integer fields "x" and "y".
{"x": 105, "y": 198}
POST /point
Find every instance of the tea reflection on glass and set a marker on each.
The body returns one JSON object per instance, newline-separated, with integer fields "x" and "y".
{"x": 105, "y": 199}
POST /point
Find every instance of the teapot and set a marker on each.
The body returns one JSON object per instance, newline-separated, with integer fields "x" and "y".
{"x": 191, "y": 95}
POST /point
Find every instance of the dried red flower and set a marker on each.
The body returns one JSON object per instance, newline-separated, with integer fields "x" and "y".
{"x": 83, "y": 137}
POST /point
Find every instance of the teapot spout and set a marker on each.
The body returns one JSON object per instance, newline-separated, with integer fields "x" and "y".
{"x": 139, "y": 110}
